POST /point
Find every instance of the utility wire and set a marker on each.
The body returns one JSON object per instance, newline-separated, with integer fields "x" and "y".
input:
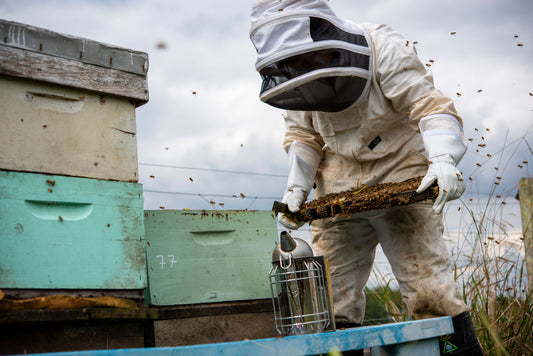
{"x": 214, "y": 170}
{"x": 209, "y": 195}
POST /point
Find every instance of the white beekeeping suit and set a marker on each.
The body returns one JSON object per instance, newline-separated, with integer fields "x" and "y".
{"x": 363, "y": 110}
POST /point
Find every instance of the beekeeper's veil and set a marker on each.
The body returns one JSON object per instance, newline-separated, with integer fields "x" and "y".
{"x": 308, "y": 58}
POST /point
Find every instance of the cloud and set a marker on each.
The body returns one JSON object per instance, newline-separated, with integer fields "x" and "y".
{"x": 225, "y": 126}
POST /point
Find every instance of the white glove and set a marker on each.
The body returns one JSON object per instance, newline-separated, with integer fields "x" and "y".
{"x": 451, "y": 184}
{"x": 445, "y": 146}
{"x": 294, "y": 198}
{"x": 303, "y": 163}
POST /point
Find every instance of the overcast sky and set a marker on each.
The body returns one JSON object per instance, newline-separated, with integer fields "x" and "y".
{"x": 204, "y": 117}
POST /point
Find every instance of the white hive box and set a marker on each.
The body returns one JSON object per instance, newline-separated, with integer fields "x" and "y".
{"x": 67, "y": 104}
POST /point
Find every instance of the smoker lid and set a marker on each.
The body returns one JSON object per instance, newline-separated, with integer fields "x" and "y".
{"x": 291, "y": 247}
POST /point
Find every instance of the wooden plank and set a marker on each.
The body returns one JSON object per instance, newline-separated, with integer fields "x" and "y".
{"x": 153, "y": 313}
{"x": 525, "y": 186}
{"x": 69, "y": 315}
{"x": 213, "y": 309}
{"x": 21, "y": 63}
{"x": 400, "y": 334}
{"x": 214, "y": 329}
{"x": 73, "y": 337}
{"x": 56, "y": 44}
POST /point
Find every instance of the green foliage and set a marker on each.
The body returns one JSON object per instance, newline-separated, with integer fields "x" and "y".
{"x": 384, "y": 305}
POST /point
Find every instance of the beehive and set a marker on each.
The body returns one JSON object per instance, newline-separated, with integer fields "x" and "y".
{"x": 67, "y": 104}
{"x": 61, "y": 232}
{"x": 209, "y": 256}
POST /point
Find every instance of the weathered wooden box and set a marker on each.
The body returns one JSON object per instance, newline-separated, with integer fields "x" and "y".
{"x": 60, "y": 232}
{"x": 208, "y": 256}
{"x": 67, "y": 104}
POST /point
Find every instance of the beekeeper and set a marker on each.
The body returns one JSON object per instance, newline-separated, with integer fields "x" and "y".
{"x": 361, "y": 110}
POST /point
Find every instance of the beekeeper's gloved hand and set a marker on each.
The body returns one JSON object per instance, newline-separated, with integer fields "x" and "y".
{"x": 444, "y": 143}
{"x": 303, "y": 163}
{"x": 294, "y": 198}
{"x": 451, "y": 184}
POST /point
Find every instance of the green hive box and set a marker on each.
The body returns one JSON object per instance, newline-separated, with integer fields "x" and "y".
{"x": 61, "y": 232}
{"x": 198, "y": 256}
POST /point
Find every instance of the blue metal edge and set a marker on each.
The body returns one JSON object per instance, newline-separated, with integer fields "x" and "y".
{"x": 341, "y": 340}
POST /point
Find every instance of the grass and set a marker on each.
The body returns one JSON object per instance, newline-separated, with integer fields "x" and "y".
{"x": 489, "y": 266}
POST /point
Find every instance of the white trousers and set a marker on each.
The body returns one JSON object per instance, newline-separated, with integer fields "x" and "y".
{"x": 411, "y": 238}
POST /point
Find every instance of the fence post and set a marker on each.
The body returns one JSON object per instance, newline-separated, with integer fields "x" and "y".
{"x": 525, "y": 188}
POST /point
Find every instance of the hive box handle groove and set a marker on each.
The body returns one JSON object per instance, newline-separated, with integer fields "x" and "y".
{"x": 55, "y": 102}
{"x": 48, "y": 210}
{"x": 213, "y": 237}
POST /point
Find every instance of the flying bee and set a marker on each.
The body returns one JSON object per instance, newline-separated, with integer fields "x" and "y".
{"x": 453, "y": 33}
{"x": 478, "y": 164}
{"x": 482, "y": 145}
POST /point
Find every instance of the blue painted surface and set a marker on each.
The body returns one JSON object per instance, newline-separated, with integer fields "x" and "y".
{"x": 60, "y": 232}
{"x": 415, "y": 337}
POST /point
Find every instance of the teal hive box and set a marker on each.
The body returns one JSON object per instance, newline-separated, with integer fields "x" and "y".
{"x": 199, "y": 256}
{"x": 70, "y": 233}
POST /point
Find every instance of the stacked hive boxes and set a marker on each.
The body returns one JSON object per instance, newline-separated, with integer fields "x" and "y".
{"x": 198, "y": 256}
{"x": 71, "y": 211}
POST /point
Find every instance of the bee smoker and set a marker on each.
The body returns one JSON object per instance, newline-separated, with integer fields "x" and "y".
{"x": 300, "y": 288}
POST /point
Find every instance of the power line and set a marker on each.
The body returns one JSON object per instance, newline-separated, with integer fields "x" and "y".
{"x": 213, "y": 170}
{"x": 209, "y": 195}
